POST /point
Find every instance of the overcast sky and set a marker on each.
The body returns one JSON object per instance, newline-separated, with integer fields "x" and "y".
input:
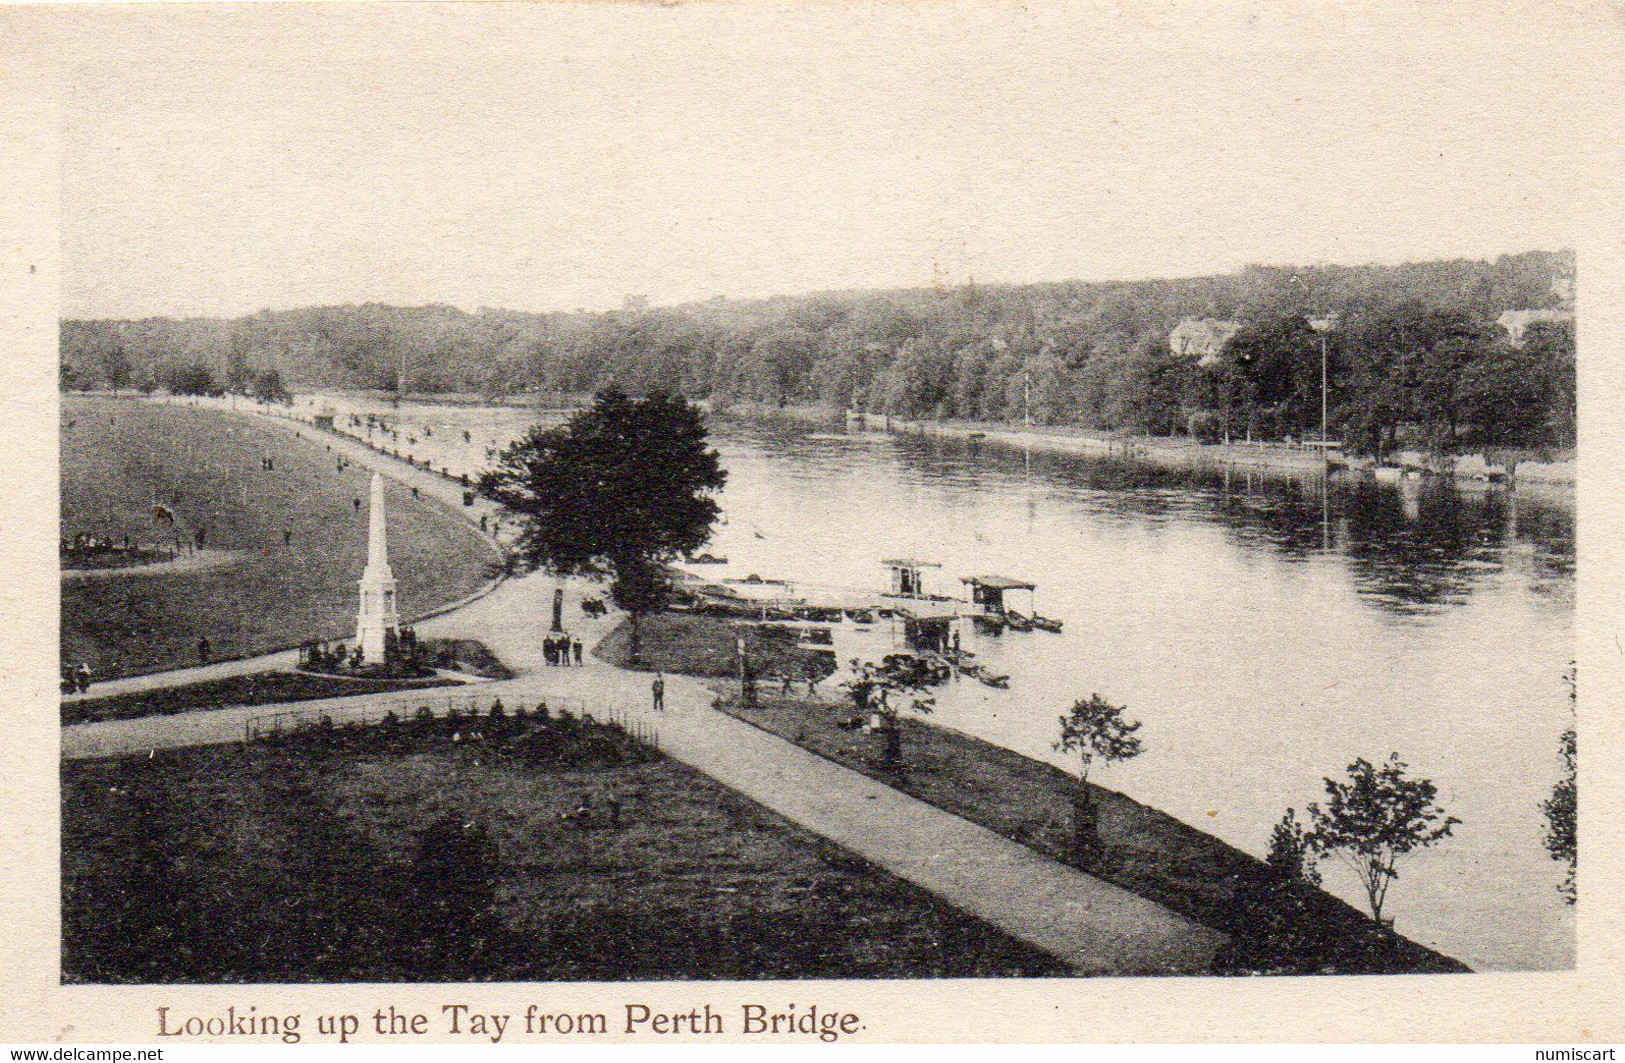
{"x": 221, "y": 161}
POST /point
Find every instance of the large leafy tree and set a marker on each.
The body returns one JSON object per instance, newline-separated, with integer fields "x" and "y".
{"x": 1098, "y": 732}
{"x": 621, "y": 489}
{"x": 1277, "y": 366}
{"x": 1375, "y": 818}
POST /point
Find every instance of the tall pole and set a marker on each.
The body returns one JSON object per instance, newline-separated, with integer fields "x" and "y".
{"x": 1323, "y": 325}
{"x": 1324, "y": 453}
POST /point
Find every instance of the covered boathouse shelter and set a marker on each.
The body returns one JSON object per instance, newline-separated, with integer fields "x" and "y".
{"x": 987, "y": 593}
{"x": 906, "y": 580}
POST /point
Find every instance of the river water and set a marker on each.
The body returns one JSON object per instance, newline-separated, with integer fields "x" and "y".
{"x": 1266, "y": 630}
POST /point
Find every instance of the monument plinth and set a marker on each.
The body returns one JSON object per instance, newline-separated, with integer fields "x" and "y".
{"x": 377, "y": 623}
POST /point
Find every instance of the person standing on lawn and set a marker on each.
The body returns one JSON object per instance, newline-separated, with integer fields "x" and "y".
{"x": 658, "y": 689}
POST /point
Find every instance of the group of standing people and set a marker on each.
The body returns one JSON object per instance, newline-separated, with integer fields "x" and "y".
{"x": 562, "y": 649}
{"x": 75, "y": 680}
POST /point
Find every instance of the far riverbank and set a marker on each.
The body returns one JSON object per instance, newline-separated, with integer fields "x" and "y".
{"x": 1550, "y": 480}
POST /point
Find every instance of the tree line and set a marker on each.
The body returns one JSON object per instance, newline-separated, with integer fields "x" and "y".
{"x": 1416, "y": 357}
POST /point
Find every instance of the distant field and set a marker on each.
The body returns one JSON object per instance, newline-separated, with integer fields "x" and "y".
{"x": 121, "y": 456}
{"x": 305, "y": 860}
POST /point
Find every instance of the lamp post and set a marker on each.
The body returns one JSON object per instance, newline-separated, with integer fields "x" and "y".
{"x": 1323, "y": 325}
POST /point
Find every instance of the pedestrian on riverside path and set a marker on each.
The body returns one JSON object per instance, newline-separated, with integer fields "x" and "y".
{"x": 658, "y": 689}
{"x": 575, "y": 649}
{"x": 356, "y": 502}
{"x": 81, "y": 677}
{"x": 203, "y": 650}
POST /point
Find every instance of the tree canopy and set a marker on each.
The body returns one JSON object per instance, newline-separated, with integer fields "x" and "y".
{"x": 621, "y": 488}
{"x": 1417, "y": 357}
{"x": 1562, "y": 808}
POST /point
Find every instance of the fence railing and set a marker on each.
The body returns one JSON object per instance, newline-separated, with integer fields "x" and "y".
{"x": 407, "y": 709}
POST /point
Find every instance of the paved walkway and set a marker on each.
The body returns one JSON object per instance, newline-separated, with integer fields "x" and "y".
{"x": 1095, "y": 927}
{"x": 178, "y": 677}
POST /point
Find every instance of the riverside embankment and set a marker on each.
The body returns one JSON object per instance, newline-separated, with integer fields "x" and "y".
{"x": 1166, "y": 452}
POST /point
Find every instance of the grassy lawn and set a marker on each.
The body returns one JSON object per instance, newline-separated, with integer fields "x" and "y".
{"x": 707, "y": 646}
{"x": 1146, "y": 851}
{"x": 121, "y": 456}
{"x": 323, "y": 857}
{"x": 260, "y": 688}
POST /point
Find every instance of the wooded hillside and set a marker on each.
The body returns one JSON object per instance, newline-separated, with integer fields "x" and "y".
{"x": 1416, "y": 355}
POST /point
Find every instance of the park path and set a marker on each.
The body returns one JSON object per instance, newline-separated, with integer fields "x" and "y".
{"x": 177, "y": 677}
{"x": 1093, "y": 926}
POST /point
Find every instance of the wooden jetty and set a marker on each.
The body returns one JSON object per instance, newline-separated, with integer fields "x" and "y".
{"x": 989, "y": 608}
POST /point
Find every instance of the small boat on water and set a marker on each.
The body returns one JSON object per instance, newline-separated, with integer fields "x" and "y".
{"x": 998, "y": 682}
{"x": 707, "y": 559}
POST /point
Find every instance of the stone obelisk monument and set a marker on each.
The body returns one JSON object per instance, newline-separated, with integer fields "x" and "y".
{"x": 376, "y": 625}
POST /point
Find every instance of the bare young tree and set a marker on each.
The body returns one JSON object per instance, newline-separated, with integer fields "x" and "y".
{"x": 882, "y": 689}
{"x": 1374, "y": 819}
{"x": 1096, "y": 730}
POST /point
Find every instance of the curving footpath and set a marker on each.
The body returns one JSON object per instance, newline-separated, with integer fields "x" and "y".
{"x": 1095, "y": 927}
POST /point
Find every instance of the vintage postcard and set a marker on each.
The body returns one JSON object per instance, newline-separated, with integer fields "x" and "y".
{"x": 829, "y": 523}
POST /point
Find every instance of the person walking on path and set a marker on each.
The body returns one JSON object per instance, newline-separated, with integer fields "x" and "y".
{"x": 658, "y": 689}
{"x": 203, "y": 650}
{"x": 82, "y": 677}
{"x": 575, "y": 649}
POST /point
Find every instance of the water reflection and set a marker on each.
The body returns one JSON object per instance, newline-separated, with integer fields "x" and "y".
{"x": 1412, "y": 546}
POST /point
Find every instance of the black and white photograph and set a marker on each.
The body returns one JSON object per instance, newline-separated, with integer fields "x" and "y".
{"x": 609, "y": 494}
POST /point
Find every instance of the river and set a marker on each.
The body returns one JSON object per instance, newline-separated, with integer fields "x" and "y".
{"x": 1266, "y": 631}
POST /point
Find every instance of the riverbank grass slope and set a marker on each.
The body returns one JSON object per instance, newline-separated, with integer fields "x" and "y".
{"x": 1300, "y": 930}
{"x": 708, "y": 647}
